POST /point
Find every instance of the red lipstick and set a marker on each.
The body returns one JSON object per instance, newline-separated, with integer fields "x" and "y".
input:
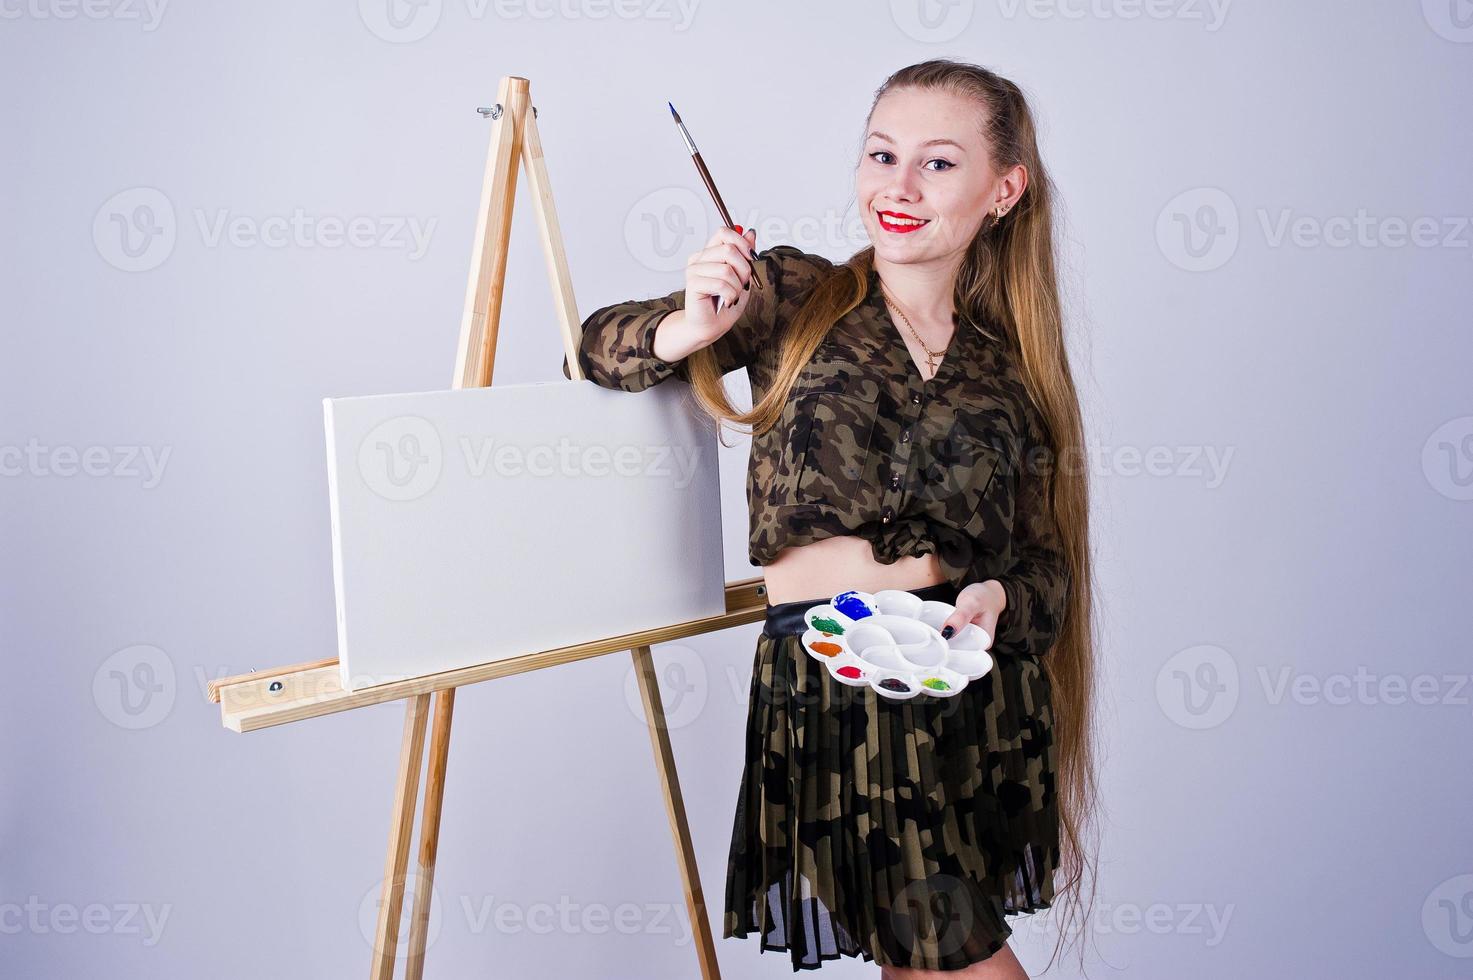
{"x": 905, "y": 224}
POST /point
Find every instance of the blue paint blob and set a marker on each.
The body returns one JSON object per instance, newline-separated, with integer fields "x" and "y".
{"x": 851, "y": 605}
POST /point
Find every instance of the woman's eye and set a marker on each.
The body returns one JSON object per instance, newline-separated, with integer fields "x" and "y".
{"x": 886, "y": 153}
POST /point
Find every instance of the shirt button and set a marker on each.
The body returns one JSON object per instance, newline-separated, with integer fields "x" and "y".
{"x": 916, "y": 398}
{"x": 895, "y": 482}
{"x": 886, "y": 515}
{"x": 905, "y": 435}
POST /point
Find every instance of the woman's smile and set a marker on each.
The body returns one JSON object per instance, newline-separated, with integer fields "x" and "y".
{"x": 901, "y": 223}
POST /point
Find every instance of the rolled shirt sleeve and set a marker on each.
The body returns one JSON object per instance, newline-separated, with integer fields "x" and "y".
{"x": 617, "y": 345}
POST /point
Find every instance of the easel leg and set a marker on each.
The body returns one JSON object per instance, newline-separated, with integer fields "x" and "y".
{"x": 429, "y": 833}
{"x": 695, "y": 901}
{"x": 411, "y": 755}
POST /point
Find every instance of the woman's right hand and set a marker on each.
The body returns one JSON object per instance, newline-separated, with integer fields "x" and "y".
{"x": 722, "y": 268}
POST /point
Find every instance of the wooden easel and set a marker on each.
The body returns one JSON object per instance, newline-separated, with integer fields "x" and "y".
{"x": 262, "y": 699}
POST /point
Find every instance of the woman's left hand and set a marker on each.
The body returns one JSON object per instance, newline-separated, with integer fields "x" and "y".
{"x": 980, "y": 603}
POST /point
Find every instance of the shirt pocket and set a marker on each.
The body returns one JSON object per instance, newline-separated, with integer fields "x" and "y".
{"x": 964, "y": 479}
{"x": 833, "y": 409}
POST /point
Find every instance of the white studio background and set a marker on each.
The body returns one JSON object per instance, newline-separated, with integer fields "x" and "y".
{"x": 212, "y": 215}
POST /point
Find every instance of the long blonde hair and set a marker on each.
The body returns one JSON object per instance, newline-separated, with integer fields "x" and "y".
{"x": 1008, "y": 277}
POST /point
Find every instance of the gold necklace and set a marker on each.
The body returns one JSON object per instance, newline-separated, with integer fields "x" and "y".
{"x": 931, "y": 355}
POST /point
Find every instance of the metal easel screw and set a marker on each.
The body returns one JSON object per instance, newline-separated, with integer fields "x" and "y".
{"x": 275, "y": 686}
{"x": 494, "y": 111}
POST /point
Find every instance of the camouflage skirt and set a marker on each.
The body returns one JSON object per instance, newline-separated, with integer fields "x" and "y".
{"x": 899, "y": 831}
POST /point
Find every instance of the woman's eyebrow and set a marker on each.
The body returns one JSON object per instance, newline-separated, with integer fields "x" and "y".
{"x": 879, "y": 135}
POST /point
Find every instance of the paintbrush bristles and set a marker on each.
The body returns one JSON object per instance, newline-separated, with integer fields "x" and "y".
{"x": 690, "y": 144}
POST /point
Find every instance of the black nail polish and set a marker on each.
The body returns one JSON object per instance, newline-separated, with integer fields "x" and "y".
{"x": 747, "y": 284}
{"x": 753, "y": 252}
{"x": 946, "y": 633}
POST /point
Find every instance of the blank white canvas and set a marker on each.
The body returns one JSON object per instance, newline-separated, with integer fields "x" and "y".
{"x": 477, "y": 524}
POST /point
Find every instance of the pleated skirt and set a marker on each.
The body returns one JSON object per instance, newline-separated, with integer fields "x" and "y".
{"x": 903, "y": 832}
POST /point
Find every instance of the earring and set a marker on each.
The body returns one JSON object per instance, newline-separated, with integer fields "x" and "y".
{"x": 1001, "y": 211}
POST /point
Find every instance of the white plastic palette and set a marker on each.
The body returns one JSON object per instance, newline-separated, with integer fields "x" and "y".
{"x": 891, "y": 641}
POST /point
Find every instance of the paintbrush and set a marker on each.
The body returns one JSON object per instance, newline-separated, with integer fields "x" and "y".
{"x": 695, "y": 155}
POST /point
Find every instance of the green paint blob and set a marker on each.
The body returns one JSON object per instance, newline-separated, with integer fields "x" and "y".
{"x": 827, "y": 625}
{"x": 936, "y": 684}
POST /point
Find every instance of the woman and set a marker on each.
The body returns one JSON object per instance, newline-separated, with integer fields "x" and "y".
{"x": 914, "y": 452}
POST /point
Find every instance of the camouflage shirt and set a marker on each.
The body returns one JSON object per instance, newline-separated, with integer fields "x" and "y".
{"x": 951, "y": 465}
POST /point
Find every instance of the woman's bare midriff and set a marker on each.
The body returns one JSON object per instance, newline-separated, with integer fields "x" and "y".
{"x": 827, "y": 567}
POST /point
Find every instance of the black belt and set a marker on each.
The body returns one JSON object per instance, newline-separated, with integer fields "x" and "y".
{"x": 786, "y": 618}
